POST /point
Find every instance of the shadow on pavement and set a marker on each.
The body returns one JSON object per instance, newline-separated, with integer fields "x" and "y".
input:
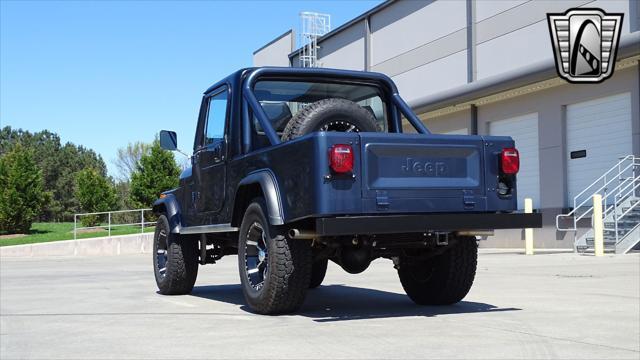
{"x": 340, "y": 302}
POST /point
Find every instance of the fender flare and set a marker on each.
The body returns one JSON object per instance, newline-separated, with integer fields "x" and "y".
{"x": 267, "y": 182}
{"x": 171, "y": 208}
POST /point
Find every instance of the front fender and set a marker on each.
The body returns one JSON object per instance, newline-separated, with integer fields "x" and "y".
{"x": 170, "y": 207}
{"x": 267, "y": 182}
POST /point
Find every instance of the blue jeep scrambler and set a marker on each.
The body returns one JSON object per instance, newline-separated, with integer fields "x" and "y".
{"x": 294, "y": 167}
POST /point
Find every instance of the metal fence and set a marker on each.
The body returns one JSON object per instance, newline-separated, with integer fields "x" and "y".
{"x": 114, "y": 219}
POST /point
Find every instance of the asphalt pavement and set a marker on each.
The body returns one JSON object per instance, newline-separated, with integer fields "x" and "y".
{"x": 558, "y": 305}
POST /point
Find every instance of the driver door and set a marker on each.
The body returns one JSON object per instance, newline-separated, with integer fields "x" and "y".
{"x": 209, "y": 158}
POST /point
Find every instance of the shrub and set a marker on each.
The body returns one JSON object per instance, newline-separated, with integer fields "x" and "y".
{"x": 95, "y": 194}
{"x": 156, "y": 172}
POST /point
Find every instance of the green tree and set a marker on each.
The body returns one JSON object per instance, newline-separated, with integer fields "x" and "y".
{"x": 59, "y": 164}
{"x": 95, "y": 194}
{"x": 74, "y": 159}
{"x": 156, "y": 172}
{"x": 22, "y": 194}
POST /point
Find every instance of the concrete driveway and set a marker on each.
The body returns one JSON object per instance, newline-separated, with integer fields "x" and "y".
{"x": 547, "y": 306}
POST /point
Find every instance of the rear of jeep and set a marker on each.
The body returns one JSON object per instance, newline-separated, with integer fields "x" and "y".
{"x": 328, "y": 173}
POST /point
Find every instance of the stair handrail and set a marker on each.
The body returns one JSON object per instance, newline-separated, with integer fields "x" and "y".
{"x": 617, "y": 167}
{"x": 631, "y": 207}
{"x": 617, "y": 218}
{"x": 628, "y": 189}
{"x": 625, "y": 189}
{"x": 629, "y": 194}
{"x": 604, "y": 176}
{"x": 586, "y": 200}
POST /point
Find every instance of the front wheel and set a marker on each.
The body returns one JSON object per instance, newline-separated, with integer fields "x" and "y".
{"x": 175, "y": 260}
{"x": 444, "y": 279}
{"x": 274, "y": 270}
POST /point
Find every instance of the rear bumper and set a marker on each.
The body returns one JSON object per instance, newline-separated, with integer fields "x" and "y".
{"x": 391, "y": 224}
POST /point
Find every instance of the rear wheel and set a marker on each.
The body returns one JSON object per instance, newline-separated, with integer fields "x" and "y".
{"x": 175, "y": 260}
{"x": 318, "y": 271}
{"x": 274, "y": 270}
{"x": 444, "y": 279}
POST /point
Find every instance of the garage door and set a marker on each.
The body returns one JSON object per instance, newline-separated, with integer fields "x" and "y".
{"x": 524, "y": 131}
{"x": 598, "y": 133}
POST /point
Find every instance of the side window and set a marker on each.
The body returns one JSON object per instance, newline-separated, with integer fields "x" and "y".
{"x": 216, "y": 118}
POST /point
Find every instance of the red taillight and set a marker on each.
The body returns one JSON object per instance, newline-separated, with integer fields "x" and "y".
{"x": 510, "y": 161}
{"x": 341, "y": 158}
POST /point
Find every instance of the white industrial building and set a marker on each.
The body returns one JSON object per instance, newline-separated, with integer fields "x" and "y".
{"x": 487, "y": 67}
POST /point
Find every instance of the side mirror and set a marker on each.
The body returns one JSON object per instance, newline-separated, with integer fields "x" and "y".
{"x": 168, "y": 140}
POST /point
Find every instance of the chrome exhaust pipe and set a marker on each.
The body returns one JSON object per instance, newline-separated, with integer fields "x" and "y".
{"x": 302, "y": 234}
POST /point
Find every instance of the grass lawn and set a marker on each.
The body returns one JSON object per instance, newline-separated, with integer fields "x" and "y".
{"x": 45, "y": 232}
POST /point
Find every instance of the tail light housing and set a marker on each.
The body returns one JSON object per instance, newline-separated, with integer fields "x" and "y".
{"x": 510, "y": 161}
{"x": 341, "y": 158}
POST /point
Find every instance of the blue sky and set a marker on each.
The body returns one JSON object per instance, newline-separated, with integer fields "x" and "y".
{"x": 105, "y": 73}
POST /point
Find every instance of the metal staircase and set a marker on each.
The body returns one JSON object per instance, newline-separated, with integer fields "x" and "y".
{"x": 620, "y": 190}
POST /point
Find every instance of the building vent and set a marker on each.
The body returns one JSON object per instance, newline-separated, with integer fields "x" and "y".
{"x": 313, "y": 25}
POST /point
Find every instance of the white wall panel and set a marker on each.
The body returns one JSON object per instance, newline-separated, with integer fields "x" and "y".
{"x": 344, "y": 50}
{"x": 518, "y": 49}
{"x": 434, "y": 77}
{"x": 405, "y": 25}
{"x": 276, "y": 53}
{"x": 488, "y": 8}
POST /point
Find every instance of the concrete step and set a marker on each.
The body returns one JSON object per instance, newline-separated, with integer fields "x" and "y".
{"x": 612, "y": 230}
{"x": 612, "y": 237}
{"x": 621, "y": 224}
{"x": 607, "y": 242}
{"x": 582, "y": 249}
{"x": 620, "y": 228}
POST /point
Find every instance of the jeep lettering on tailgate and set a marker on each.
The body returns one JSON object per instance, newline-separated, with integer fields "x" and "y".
{"x": 425, "y": 168}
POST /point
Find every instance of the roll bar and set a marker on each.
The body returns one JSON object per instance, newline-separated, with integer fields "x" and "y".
{"x": 251, "y": 100}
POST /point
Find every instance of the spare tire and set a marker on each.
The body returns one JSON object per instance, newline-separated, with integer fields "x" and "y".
{"x": 331, "y": 114}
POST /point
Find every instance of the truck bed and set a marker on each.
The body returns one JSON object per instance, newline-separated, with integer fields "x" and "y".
{"x": 392, "y": 174}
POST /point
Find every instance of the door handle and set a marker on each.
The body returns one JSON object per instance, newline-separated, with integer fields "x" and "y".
{"x": 217, "y": 153}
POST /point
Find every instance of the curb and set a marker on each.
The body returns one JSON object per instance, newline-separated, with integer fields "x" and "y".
{"x": 102, "y": 246}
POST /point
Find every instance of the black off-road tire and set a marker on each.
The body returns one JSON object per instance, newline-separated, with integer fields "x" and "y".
{"x": 180, "y": 261}
{"x": 318, "y": 271}
{"x": 444, "y": 279}
{"x": 340, "y": 112}
{"x": 286, "y": 280}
